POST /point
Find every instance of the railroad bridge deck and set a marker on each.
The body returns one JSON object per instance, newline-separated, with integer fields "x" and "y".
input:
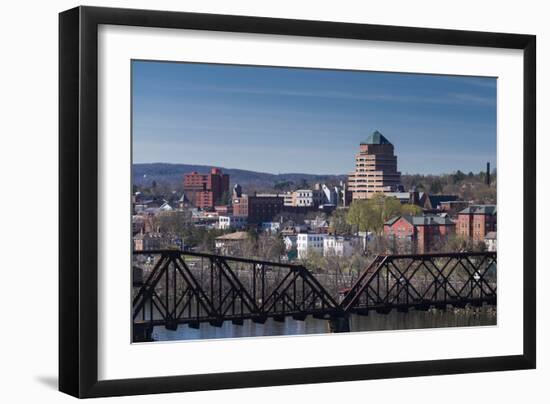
{"x": 193, "y": 288}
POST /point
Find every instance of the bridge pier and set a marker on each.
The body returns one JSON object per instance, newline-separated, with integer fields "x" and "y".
{"x": 143, "y": 332}
{"x": 339, "y": 323}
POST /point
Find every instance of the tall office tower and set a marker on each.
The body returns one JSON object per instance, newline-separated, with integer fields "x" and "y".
{"x": 375, "y": 168}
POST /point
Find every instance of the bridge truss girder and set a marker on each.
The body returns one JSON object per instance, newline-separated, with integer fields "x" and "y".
{"x": 194, "y": 288}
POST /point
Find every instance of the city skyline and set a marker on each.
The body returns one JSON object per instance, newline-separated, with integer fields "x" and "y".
{"x": 289, "y": 120}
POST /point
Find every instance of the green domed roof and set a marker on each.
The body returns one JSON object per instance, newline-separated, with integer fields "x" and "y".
{"x": 376, "y": 138}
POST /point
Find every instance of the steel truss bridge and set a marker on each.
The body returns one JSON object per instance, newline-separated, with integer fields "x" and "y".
{"x": 194, "y": 288}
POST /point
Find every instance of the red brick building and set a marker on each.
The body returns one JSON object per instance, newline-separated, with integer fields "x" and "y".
{"x": 476, "y": 221}
{"x": 263, "y": 208}
{"x": 424, "y": 232}
{"x": 257, "y": 208}
{"x": 240, "y": 206}
{"x": 205, "y": 190}
{"x": 239, "y": 202}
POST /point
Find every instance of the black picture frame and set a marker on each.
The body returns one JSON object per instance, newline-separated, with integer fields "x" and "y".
{"x": 78, "y": 206}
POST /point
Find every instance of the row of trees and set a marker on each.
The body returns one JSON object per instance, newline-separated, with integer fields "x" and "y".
{"x": 356, "y": 262}
{"x": 179, "y": 223}
{"x": 263, "y": 246}
{"x": 468, "y": 186}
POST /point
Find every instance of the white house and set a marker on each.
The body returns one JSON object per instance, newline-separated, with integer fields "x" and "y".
{"x": 491, "y": 241}
{"x": 231, "y": 222}
{"x": 317, "y": 223}
{"x": 165, "y": 207}
{"x": 340, "y": 246}
{"x": 307, "y": 197}
{"x": 271, "y": 227}
{"x": 309, "y": 242}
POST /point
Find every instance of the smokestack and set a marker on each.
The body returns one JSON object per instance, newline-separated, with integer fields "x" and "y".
{"x": 488, "y": 175}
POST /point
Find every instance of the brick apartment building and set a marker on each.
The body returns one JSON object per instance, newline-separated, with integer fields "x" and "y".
{"x": 205, "y": 190}
{"x": 476, "y": 221}
{"x": 264, "y": 207}
{"x": 375, "y": 168}
{"x": 239, "y": 202}
{"x": 424, "y": 232}
{"x": 240, "y": 206}
{"x": 257, "y": 208}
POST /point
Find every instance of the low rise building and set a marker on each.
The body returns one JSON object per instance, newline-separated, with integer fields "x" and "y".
{"x": 434, "y": 203}
{"x": 271, "y": 227}
{"x": 403, "y": 197}
{"x": 340, "y": 246}
{"x": 240, "y": 205}
{"x": 229, "y": 243}
{"x": 491, "y": 241}
{"x": 257, "y": 208}
{"x": 307, "y": 243}
{"x": 264, "y": 207}
{"x": 232, "y": 222}
{"x": 310, "y": 198}
{"x": 477, "y": 221}
{"x": 453, "y": 207}
{"x": 428, "y": 202}
{"x": 423, "y": 232}
{"x": 293, "y": 229}
{"x": 317, "y": 225}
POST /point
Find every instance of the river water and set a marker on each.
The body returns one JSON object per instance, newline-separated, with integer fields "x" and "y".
{"x": 485, "y": 316}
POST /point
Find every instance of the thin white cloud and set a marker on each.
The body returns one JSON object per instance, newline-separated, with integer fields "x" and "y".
{"x": 450, "y": 98}
{"x": 474, "y": 99}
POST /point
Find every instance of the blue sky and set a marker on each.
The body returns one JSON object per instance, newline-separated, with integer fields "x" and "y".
{"x": 283, "y": 120}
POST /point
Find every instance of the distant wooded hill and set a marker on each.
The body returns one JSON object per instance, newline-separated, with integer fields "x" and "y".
{"x": 166, "y": 177}
{"x": 171, "y": 175}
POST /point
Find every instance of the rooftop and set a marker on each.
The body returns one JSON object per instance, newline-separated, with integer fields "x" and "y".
{"x": 480, "y": 210}
{"x": 376, "y": 138}
{"x": 492, "y": 235}
{"x": 239, "y": 235}
{"x": 425, "y": 220}
{"x": 398, "y": 195}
